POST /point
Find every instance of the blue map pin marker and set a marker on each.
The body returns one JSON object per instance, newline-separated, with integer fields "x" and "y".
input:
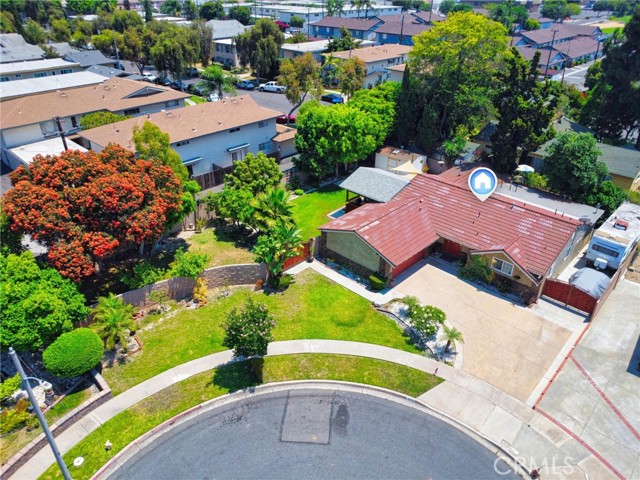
{"x": 482, "y": 183}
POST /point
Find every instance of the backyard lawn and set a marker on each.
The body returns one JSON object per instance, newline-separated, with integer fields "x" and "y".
{"x": 310, "y": 211}
{"x": 312, "y": 307}
{"x": 142, "y": 417}
{"x": 221, "y": 246}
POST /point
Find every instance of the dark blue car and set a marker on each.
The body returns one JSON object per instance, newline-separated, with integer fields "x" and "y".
{"x": 332, "y": 98}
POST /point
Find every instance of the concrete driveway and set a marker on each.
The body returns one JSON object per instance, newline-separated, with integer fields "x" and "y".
{"x": 596, "y": 395}
{"x": 504, "y": 344}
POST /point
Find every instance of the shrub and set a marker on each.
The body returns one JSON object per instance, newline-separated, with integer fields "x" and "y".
{"x": 114, "y": 321}
{"x": 73, "y": 353}
{"x": 200, "y": 291}
{"x": 634, "y": 197}
{"x": 188, "y": 264}
{"x": 504, "y": 285}
{"x": 144, "y": 273}
{"x": 10, "y": 386}
{"x": 298, "y": 191}
{"x": 477, "y": 269}
{"x": 13, "y": 418}
{"x": 377, "y": 282}
{"x": 248, "y": 330}
{"x": 425, "y": 319}
{"x": 535, "y": 180}
{"x": 284, "y": 281}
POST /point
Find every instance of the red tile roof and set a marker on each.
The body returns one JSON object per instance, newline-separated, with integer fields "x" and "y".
{"x": 443, "y": 206}
{"x": 412, "y": 227}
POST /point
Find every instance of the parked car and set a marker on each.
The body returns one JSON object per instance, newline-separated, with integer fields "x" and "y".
{"x": 192, "y": 72}
{"x": 332, "y": 98}
{"x": 283, "y": 119}
{"x": 272, "y": 87}
{"x": 213, "y": 97}
{"x": 149, "y": 77}
{"x": 245, "y": 85}
{"x": 178, "y": 85}
{"x": 196, "y": 89}
{"x": 163, "y": 81}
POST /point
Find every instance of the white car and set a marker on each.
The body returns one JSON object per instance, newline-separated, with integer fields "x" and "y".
{"x": 213, "y": 97}
{"x": 272, "y": 87}
{"x": 149, "y": 77}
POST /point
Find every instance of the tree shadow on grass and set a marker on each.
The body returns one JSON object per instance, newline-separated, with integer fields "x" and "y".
{"x": 239, "y": 375}
{"x": 239, "y": 236}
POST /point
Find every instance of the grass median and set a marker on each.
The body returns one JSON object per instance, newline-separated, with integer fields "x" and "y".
{"x": 147, "y": 414}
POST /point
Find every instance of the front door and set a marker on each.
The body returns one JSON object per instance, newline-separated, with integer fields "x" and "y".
{"x": 452, "y": 248}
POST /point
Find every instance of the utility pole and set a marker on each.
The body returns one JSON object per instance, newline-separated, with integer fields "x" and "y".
{"x": 430, "y": 10}
{"x": 43, "y": 421}
{"x": 553, "y": 40}
{"x": 564, "y": 63}
{"x": 401, "y": 29}
{"x": 58, "y": 121}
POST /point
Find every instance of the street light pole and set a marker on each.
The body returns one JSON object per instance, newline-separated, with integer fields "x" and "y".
{"x": 553, "y": 40}
{"x": 43, "y": 421}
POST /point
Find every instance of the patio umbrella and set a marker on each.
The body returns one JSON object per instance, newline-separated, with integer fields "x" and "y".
{"x": 525, "y": 169}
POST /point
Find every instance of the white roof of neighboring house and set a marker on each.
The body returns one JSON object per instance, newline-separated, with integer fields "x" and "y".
{"x": 32, "y": 86}
{"x": 226, "y": 28}
{"x": 13, "y": 48}
{"x": 52, "y": 146}
{"x": 35, "y": 66}
{"x": 319, "y": 46}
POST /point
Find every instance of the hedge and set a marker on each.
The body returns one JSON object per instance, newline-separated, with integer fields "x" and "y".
{"x": 73, "y": 353}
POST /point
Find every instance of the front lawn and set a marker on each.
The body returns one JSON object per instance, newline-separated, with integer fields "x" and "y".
{"x": 197, "y": 100}
{"x": 145, "y": 415}
{"x": 310, "y": 211}
{"x": 222, "y": 246}
{"x": 312, "y": 307}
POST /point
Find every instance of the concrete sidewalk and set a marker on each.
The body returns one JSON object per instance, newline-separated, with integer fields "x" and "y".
{"x": 504, "y": 420}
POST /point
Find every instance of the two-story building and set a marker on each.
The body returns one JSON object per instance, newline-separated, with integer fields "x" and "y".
{"x": 30, "y": 119}
{"x": 36, "y": 69}
{"x": 377, "y": 60}
{"x": 209, "y": 137}
{"x": 224, "y": 48}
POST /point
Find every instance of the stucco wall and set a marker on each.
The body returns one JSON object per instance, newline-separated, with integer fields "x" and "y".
{"x": 517, "y": 271}
{"x": 349, "y": 245}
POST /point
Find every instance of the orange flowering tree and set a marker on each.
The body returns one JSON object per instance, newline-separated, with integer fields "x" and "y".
{"x": 88, "y": 207}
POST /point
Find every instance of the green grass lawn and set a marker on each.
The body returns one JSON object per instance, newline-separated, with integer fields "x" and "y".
{"x": 15, "y": 441}
{"x": 221, "y": 247}
{"x": 145, "y": 415}
{"x": 312, "y": 307}
{"x": 196, "y": 99}
{"x": 310, "y": 211}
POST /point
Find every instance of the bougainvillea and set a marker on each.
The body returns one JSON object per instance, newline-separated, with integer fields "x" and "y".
{"x": 87, "y": 206}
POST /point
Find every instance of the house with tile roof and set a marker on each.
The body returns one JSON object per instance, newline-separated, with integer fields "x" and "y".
{"x": 28, "y": 119}
{"x": 376, "y": 60}
{"x": 208, "y": 137}
{"x": 521, "y": 241}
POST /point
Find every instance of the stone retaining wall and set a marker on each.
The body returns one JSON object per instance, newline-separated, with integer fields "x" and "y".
{"x": 20, "y": 458}
{"x": 181, "y": 288}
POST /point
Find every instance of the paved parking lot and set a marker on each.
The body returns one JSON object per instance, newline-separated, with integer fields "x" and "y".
{"x": 504, "y": 344}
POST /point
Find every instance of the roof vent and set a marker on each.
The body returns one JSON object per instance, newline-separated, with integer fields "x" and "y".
{"x": 621, "y": 225}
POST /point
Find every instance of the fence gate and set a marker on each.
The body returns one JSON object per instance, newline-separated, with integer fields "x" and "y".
{"x": 569, "y": 295}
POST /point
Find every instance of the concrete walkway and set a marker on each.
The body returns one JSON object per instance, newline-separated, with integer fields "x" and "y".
{"x": 504, "y": 420}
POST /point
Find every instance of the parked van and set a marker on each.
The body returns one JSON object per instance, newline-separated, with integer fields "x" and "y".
{"x": 616, "y": 239}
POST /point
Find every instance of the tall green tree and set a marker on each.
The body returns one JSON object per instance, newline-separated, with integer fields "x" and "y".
{"x": 211, "y": 10}
{"x": 455, "y": 62}
{"x": 301, "y": 76}
{"x": 60, "y": 31}
{"x": 36, "y": 304}
{"x": 151, "y": 142}
{"x": 148, "y": 10}
{"x": 344, "y": 42}
{"x": 508, "y": 14}
{"x": 125, "y": 19}
{"x": 260, "y": 47}
{"x": 254, "y": 173}
{"x": 351, "y": 75}
{"x": 114, "y": 321}
{"x": 558, "y": 10}
{"x": 613, "y": 105}
{"x": 408, "y": 111}
{"x": 446, "y": 6}
{"x": 380, "y": 104}
{"x": 525, "y": 109}
{"x": 33, "y": 33}
{"x": 231, "y": 204}
{"x": 205, "y": 35}
{"x": 240, "y": 13}
{"x": 175, "y": 50}
{"x": 171, "y": 7}
{"x": 190, "y": 10}
{"x": 335, "y": 8}
{"x": 214, "y": 79}
{"x": 572, "y": 165}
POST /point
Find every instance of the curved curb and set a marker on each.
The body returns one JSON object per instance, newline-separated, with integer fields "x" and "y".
{"x": 146, "y": 439}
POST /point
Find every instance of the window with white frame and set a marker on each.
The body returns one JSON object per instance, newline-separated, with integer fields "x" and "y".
{"x": 502, "y": 266}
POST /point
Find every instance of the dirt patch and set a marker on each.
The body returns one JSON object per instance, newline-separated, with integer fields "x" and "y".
{"x": 610, "y": 24}
{"x": 633, "y": 273}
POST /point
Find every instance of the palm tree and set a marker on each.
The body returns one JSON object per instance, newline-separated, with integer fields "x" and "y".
{"x": 114, "y": 321}
{"x": 367, "y": 4}
{"x": 358, "y": 4}
{"x": 452, "y": 334}
{"x": 274, "y": 250}
{"x": 216, "y": 80}
{"x": 272, "y": 209}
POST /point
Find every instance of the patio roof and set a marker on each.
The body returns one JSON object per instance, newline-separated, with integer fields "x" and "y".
{"x": 375, "y": 184}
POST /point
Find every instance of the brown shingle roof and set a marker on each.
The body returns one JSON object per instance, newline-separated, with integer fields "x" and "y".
{"x": 284, "y": 133}
{"x": 579, "y": 47}
{"x": 409, "y": 28}
{"x": 563, "y": 30}
{"x": 186, "y": 123}
{"x": 109, "y": 95}
{"x": 374, "y": 54}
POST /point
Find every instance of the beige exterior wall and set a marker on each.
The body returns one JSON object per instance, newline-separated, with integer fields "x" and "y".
{"x": 622, "y": 182}
{"x": 349, "y": 245}
{"x": 517, "y": 271}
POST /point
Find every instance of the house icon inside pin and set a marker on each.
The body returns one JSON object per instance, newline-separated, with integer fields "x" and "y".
{"x": 482, "y": 182}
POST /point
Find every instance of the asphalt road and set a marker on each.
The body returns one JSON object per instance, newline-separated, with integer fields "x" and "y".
{"x": 313, "y": 434}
